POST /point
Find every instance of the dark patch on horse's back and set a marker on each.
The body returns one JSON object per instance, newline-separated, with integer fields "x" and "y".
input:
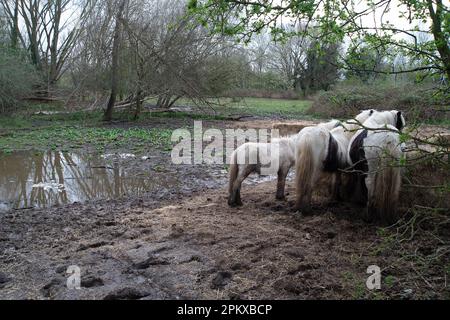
{"x": 360, "y": 165}
{"x": 331, "y": 162}
{"x": 399, "y": 123}
{"x": 357, "y": 154}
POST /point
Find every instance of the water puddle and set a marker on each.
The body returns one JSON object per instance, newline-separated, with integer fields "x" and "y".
{"x": 40, "y": 180}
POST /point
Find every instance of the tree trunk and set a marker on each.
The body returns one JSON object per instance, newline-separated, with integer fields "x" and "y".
{"x": 164, "y": 101}
{"x": 32, "y": 26}
{"x": 137, "y": 111}
{"x": 171, "y": 103}
{"x": 440, "y": 39}
{"x": 53, "y": 74}
{"x": 114, "y": 64}
{"x": 15, "y": 28}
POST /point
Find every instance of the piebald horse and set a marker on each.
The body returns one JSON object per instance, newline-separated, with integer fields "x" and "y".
{"x": 374, "y": 154}
{"x": 241, "y": 164}
{"x": 320, "y": 151}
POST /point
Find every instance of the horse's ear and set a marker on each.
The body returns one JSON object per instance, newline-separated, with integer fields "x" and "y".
{"x": 371, "y": 112}
{"x": 399, "y": 123}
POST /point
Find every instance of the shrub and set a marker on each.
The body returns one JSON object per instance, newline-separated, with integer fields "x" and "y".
{"x": 346, "y": 99}
{"x": 259, "y": 93}
{"x": 17, "y": 78}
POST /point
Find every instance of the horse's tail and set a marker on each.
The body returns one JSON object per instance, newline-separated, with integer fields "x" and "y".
{"x": 234, "y": 170}
{"x": 304, "y": 167}
{"x": 387, "y": 181}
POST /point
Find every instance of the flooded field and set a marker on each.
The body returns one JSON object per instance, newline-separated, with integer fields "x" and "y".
{"x": 52, "y": 178}
{"x": 42, "y": 180}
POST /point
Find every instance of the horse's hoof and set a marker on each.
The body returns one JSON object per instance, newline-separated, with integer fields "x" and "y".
{"x": 296, "y": 209}
{"x": 333, "y": 202}
{"x": 235, "y": 204}
{"x": 303, "y": 210}
{"x": 232, "y": 204}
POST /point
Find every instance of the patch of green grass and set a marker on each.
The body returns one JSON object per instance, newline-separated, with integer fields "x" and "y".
{"x": 83, "y": 117}
{"x": 66, "y": 138}
{"x": 7, "y": 122}
{"x": 444, "y": 122}
{"x": 263, "y": 106}
{"x": 387, "y": 241}
{"x": 20, "y": 121}
{"x": 28, "y": 129}
{"x": 357, "y": 286}
{"x": 249, "y": 106}
{"x": 181, "y": 114}
{"x": 389, "y": 281}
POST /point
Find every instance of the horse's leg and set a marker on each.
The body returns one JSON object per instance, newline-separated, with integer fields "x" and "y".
{"x": 235, "y": 190}
{"x": 306, "y": 207}
{"x": 281, "y": 183}
{"x": 236, "y": 195}
{"x": 303, "y": 196}
{"x": 233, "y": 196}
{"x": 238, "y": 183}
{"x": 369, "y": 213}
{"x": 336, "y": 187}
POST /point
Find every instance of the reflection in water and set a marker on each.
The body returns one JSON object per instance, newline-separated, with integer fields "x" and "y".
{"x": 52, "y": 178}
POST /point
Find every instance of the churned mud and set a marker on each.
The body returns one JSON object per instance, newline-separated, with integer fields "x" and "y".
{"x": 199, "y": 248}
{"x": 187, "y": 243}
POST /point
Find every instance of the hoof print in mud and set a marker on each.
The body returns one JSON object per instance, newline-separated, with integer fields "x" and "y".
{"x": 221, "y": 279}
{"x": 331, "y": 234}
{"x": 239, "y": 266}
{"x": 4, "y": 279}
{"x": 277, "y": 208}
{"x": 85, "y": 246}
{"x": 91, "y": 282}
{"x": 288, "y": 285}
{"x": 176, "y": 231}
{"x": 127, "y": 294}
{"x": 296, "y": 253}
{"x": 151, "y": 261}
{"x": 51, "y": 288}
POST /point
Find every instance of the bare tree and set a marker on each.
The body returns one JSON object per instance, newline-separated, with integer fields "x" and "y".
{"x": 47, "y": 38}
{"x": 115, "y": 62}
{"x": 289, "y": 58}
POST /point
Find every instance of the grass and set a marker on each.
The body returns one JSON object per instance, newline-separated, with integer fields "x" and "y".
{"x": 224, "y": 107}
{"x": 69, "y": 138}
{"x": 439, "y": 122}
{"x": 355, "y": 284}
{"x": 181, "y": 114}
{"x": 262, "y": 106}
{"x": 24, "y": 120}
{"x": 31, "y": 128}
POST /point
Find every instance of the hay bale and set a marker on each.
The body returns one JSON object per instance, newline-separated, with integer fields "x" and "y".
{"x": 287, "y": 129}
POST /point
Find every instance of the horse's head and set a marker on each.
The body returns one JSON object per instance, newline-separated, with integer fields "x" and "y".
{"x": 399, "y": 120}
{"x": 392, "y": 117}
{"x": 364, "y": 115}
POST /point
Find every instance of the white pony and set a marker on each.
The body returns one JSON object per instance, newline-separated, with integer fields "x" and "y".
{"x": 250, "y": 156}
{"x": 374, "y": 153}
{"x": 319, "y": 150}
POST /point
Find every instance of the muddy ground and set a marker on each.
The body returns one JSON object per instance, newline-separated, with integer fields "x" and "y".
{"x": 181, "y": 244}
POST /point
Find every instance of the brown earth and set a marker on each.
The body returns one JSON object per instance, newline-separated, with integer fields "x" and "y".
{"x": 199, "y": 248}
{"x": 196, "y": 247}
